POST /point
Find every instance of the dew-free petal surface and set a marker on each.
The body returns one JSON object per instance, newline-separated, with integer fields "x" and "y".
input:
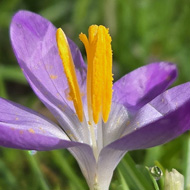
{"x": 140, "y": 86}
{"x": 23, "y": 128}
{"x": 86, "y": 160}
{"x": 174, "y": 105}
{"x": 107, "y": 162}
{"x": 116, "y": 123}
{"x": 34, "y": 43}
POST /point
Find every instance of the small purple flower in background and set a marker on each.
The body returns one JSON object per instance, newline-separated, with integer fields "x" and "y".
{"x": 96, "y": 126}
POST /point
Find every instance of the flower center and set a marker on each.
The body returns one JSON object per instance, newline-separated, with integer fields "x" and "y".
{"x": 99, "y": 72}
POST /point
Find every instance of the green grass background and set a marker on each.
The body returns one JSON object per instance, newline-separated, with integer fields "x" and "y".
{"x": 142, "y": 31}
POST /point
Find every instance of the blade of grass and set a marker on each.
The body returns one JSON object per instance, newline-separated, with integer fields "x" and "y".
{"x": 56, "y": 11}
{"x": 3, "y": 92}
{"x": 7, "y": 177}
{"x": 12, "y": 73}
{"x": 187, "y": 163}
{"x": 67, "y": 169}
{"x": 123, "y": 181}
{"x": 37, "y": 172}
{"x": 161, "y": 181}
{"x": 153, "y": 180}
{"x": 133, "y": 176}
{"x": 152, "y": 154}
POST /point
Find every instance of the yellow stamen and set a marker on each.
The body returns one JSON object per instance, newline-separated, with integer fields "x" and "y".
{"x": 99, "y": 72}
{"x": 69, "y": 69}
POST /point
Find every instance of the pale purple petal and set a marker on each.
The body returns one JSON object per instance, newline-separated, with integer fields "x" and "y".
{"x": 34, "y": 42}
{"x": 107, "y": 162}
{"x": 172, "y": 98}
{"x": 144, "y": 116}
{"x": 130, "y": 84}
{"x": 116, "y": 123}
{"x": 142, "y": 85}
{"x": 87, "y": 162}
{"x": 165, "y": 118}
{"x": 174, "y": 105}
{"x": 23, "y": 128}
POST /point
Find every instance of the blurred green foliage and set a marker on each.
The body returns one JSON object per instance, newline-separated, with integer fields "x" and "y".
{"x": 143, "y": 31}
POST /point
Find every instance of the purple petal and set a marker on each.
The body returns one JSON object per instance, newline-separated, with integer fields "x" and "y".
{"x": 174, "y": 105}
{"x": 23, "y": 128}
{"x": 139, "y": 87}
{"x": 170, "y": 118}
{"x": 34, "y": 42}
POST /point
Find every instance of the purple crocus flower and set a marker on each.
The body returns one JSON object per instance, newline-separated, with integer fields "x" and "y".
{"x": 141, "y": 114}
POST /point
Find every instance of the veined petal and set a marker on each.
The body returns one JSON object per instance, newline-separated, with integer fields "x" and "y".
{"x": 116, "y": 124}
{"x": 139, "y": 87}
{"x": 174, "y": 105}
{"x": 144, "y": 116}
{"x": 107, "y": 162}
{"x": 23, "y": 128}
{"x": 34, "y": 42}
{"x": 87, "y": 162}
{"x": 156, "y": 128}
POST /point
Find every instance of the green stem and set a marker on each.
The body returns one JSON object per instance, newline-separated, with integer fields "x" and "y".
{"x": 154, "y": 182}
{"x": 7, "y": 176}
{"x": 38, "y": 173}
{"x": 66, "y": 168}
{"x": 187, "y": 162}
{"x": 3, "y": 92}
{"x": 123, "y": 182}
